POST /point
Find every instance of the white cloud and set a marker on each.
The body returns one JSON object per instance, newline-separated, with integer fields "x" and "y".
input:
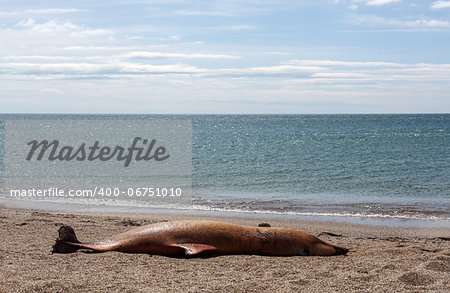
{"x": 42, "y": 11}
{"x": 135, "y": 37}
{"x": 203, "y": 13}
{"x": 440, "y": 4}
{"x": 238, "y": 27}
{"x": 52, "y": 91}
{"x": 342, "y": 63}
{"x": 380, "y": 2}
{"x": 175, "y": 38}
{"x": 304, "y": 81}
{"x": 55, "y": 27}
{"x": 378, "y": 21}
{"x": 106, "y": 70}
{"x": 96, "y": 48}
{"x": 427, "y": 23}
{"x": 163, "y": 55}
{"x": 47, "y": 27}
{"x": 277, "y": 70}
{"x": 277, "y": 53}
{"x": 216, "y": 8}
{"x": 38, "y": 57}
{"x": 304, "y": 71}
{"x": 339, "y": 75}
{"x": 54, "y": 10}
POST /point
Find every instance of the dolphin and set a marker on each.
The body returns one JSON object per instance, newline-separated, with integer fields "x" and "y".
{"x": 200, "y": 238}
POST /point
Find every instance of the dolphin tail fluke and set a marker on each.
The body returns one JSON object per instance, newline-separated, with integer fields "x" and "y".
{"x": 67, "y": 241}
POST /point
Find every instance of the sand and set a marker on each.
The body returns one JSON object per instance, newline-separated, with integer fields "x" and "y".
{"x": 381, "y": 259}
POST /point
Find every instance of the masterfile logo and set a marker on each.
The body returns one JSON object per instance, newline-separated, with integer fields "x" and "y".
{"x": 53, "y": 151}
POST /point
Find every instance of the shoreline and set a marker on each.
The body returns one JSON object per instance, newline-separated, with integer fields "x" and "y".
{"x": 381, "y": 259}
{"x": 355, "y": 219}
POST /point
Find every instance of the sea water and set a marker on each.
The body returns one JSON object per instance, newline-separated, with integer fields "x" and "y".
{"x": 365, "y": 167}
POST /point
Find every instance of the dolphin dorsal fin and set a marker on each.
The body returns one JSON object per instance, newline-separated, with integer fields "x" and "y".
{"x": 194, "y": 248}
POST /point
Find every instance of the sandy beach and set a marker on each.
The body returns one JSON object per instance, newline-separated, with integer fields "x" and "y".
{"x": 381, "y": 259}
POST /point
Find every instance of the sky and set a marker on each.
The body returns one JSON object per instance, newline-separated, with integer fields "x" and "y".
{"x": 225, "y": 57}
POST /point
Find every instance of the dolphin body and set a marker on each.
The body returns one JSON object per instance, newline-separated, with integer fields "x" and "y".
{"x": 198, "y": 238}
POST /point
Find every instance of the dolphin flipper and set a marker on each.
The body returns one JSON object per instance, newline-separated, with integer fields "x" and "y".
{"x": 194, "y": 249}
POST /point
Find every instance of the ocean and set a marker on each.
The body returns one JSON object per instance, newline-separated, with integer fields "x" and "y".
{"x": 370, "y": 169}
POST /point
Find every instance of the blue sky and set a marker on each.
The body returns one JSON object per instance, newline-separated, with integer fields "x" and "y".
{"x": 248, "y": 56}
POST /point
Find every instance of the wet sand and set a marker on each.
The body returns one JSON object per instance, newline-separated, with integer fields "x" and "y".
{"x": 381, "y": 259}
